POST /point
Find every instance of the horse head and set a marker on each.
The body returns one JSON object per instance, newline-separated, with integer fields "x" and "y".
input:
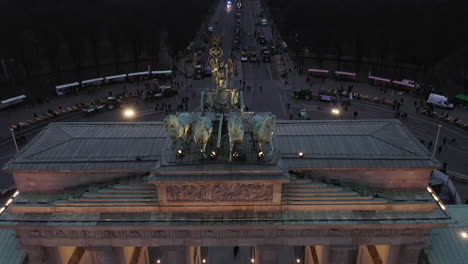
{"x": 202, "y": 132}
{"x": 236, "y": 129}
{"x": 173, "y": 126}
{"x": 266, "y": 128}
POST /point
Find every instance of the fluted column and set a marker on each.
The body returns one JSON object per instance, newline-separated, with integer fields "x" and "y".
{"x": 342, "y": 254}
{"x": 175, "y": 254}
{"x": 268, "y": 254}
{"x": 409, "y": 254}
{"x": 103, "y": 255}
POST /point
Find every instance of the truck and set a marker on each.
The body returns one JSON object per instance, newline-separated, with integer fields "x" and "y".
{"x": 439, "y": 101}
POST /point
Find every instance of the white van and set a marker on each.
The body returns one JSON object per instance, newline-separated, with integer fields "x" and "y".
{"x": 439, "y": 101}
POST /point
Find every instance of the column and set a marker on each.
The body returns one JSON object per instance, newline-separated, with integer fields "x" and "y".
{"x": 103, "y": 255}
{"x": 342, "y": 254}
{"x": 174, "y": 254}
{"x": 394, "y": 254}
{"x": 267, "y": 254}
{"x": 36, "y": 254}
{"x": 409, "y": 254}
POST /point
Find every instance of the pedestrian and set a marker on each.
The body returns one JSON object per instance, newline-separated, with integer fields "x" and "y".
{"x": 439, "y": 149}
{"x": 422, "y": 141}
{"x": 430, "y": 144}
{"x": 355, "y": 114}
{"x": 401, "y": 100}
{"x": 444, "y": 140}
{"x": 236, "y": 251}
{"x": 394, "y": 107}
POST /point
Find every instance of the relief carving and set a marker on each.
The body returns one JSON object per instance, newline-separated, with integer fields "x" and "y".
{"x": 219, "y": 192}
{"x": 358, "y": 235}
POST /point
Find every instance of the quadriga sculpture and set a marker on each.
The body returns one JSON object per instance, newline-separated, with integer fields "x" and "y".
{"x": 202, "y": 132}
{"x": 235, "y": 131}
{"x": 178, "y": 127}
{"x": 262, "y": 130}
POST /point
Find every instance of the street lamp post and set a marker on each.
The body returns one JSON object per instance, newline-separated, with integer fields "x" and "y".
{"x": 436, "y": 141}
{"x": 14, "y": 139}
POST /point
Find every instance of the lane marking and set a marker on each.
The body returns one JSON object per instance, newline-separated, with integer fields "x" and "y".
{"x": 269, "y": 72}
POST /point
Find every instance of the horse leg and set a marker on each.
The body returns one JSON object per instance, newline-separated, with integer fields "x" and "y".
{"x": 272, "y": 147}
{"x": 230, "y": 150}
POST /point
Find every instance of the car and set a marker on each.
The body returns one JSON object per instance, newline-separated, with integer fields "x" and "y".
{"x": 303, "y": 94}
{"x": 266, "y": 56}
{"x": 264, "y": 22}
{"x": 244, "y": 56}
{"x": 303, "y": 115}
{"x": 327, "y": 96}
{"x": 208, "y": 72}
{"x": 198, "y": 72}
{"x": 235, "y": 45}
{"x": 228, "y": 4}
{"x": 210, "y": 29}
{"x": 253, "y": 57}
{"x": 113, "y": 102}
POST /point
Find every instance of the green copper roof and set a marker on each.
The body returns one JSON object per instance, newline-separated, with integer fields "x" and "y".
{"x": 447, "y": 244}
{"x": 138, "y": 146}
{"x": 133, "y": 146}
{"x": 350, "y": 143}
{"x": 9, "y": 253}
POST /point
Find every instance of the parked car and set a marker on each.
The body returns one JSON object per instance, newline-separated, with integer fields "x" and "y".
{"x": 303, "y": 94}
{"x": 253, "y": 57}
{"x": 264, "y": 22}
{"x": 113, "y": 102}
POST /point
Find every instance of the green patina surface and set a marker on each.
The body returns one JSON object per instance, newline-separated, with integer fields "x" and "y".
{"x": 137, "y": 146}
{"x": 9, "y": 253}
{"x": 447, "y": 244}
